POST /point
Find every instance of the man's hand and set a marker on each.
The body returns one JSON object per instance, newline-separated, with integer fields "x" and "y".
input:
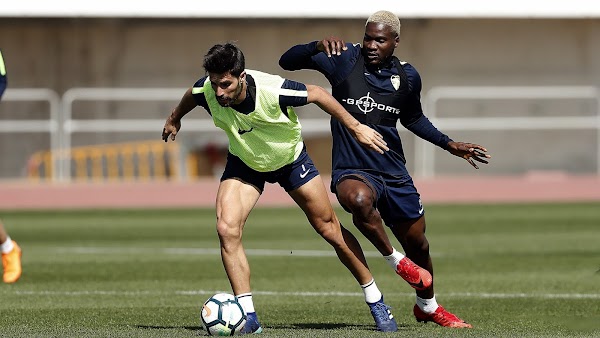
{"x": 469, "y": 151}
{"x": 171, "y": 128}
{"x": 332, "y": 46}
{"x": 369, "y": 138}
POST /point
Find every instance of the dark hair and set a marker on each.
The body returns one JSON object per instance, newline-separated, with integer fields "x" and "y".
{"x": 224, "y": 58}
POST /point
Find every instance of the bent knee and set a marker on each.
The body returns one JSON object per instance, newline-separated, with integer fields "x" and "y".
{"x": 359, "y": 200}
{"x": 330, "y": 231}
{"x": 229, "y": 230}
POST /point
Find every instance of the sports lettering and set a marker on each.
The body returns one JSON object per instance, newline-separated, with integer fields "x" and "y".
{"x": 366, "y": 104}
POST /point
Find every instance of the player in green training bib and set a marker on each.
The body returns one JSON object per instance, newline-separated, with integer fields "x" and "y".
{"x": 265, "y": 145}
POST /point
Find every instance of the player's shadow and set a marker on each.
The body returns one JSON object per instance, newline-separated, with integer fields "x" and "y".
{"x": 304, "y": 326}
{"x": 312, "y": 326}
{"x": 158, "y": 327}
{"x": 327, "y": 326}
{"x": 322, "y": 326}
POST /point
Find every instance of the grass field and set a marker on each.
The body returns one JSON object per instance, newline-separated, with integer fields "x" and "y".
{"x": 510, "y": 270}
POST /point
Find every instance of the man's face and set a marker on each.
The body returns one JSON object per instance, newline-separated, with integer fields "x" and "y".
{"x": 379, "y": 43}
{"x": 227, "y": 87}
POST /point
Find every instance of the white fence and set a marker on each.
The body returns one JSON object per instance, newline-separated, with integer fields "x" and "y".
{"x": 61, "y": 123}
{"x": 424, "y": 151}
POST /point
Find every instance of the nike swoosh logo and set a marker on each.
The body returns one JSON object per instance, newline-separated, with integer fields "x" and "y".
{"x": 242, "y": 132}
{"x": 303, "y": 175}
{"x": 420, "y": 210}
{"x": 419, "y": 285}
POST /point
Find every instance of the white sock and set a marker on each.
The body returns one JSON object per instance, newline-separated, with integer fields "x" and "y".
{"x": 394, "y": 258}
{"x": 427, "y": 305}
{"x": 371, "y": 291}
{"x": 7, "y": 246}
{"x": 245, "y": 300}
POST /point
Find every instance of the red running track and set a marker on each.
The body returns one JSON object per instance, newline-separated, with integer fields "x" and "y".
{"x": 19, "y": 195}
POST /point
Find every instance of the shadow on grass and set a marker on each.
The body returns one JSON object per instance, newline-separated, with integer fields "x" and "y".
{"x": 158, "y": 327}
{"x": 290, "y": 326}
{"x": 326, "y": 326}
{"x": 305, "y": 326}
{"x": 321, "y": 326}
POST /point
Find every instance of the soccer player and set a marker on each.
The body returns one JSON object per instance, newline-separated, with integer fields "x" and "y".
{"x": 378, "y": 90}
{"x": 255, "y": 110}
{"x": 11, "y": 252}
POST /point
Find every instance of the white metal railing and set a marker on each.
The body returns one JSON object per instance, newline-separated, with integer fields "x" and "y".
{"x": 52, "y": 125}
{"x": 62, "y": 124}
{"x": 424, "y": 152}
{"x": 72, "y": 125}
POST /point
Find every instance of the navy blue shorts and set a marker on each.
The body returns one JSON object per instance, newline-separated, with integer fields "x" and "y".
{"x": 396, "y": 198}
{"x": 290, "y": 177}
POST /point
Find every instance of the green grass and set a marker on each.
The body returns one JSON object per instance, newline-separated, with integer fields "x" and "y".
{"x": 510, "y": 270}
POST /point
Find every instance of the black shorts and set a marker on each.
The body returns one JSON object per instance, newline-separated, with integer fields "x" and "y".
{"x": 290, "y": 177}
{"x": 396, "y": 197}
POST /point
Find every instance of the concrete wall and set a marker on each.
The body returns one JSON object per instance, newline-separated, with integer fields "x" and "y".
{"x": 65, "y": 53}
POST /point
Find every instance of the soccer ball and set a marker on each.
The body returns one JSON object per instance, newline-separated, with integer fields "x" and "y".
{"x": 222, "y": 315}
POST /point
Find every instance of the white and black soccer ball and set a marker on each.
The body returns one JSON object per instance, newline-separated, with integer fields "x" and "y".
{"x": 222, "y": 315}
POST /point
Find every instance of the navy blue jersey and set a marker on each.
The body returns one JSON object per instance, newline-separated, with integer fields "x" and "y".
{"x": 247, "y": 106}
{"x": 377, "y": 96}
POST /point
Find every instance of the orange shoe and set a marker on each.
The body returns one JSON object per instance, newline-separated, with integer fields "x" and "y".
{"x": 440, "y": 317}
{"x": 11, "y": 262}
{"x": 415, "y": 275}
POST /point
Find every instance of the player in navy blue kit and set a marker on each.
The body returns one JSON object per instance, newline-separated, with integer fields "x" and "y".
{"x": 379, "y": 90}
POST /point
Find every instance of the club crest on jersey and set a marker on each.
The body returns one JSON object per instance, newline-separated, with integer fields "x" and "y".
{"x": 395, "y": 81}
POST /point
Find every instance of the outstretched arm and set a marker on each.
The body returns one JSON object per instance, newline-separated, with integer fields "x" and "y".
{"x": 423, "y": 128}
{"x": 331, "y": 57}
{"x": 299, "y": 56}
{"x": 469, "y": 151}
{"x": 173, "y": 123}
{"x": 367, "y": 136}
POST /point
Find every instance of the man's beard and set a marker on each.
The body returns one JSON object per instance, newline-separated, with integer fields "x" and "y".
{"x": 230, "y": 101}
{"x": 226, "y": 103}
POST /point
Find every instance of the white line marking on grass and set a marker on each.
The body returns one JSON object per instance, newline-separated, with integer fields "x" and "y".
{"x": 452, "y": 294}
{"x": 207, "y": 251}
{"x": 524, "y": 295}
{"x": 203, "y": 251}
{"x": 87, "y": 293}
{"x": 313, "y": 294}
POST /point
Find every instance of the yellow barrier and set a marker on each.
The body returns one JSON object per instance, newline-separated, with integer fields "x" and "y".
{"x": 146, "y": 160}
